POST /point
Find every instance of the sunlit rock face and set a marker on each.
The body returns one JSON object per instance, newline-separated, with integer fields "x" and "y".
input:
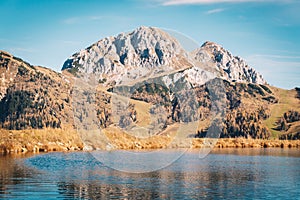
{"x": 149, "y": 51}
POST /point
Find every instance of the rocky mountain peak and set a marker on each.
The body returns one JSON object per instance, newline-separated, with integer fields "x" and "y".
{"x": 149, "y": 50}
{"x": 131, "y": 54}
{"x": 229, "y": 67}
{"x": 210, "y": 44}
{"x": 146, "y": 47}
{"x": 151, "y": 38}
{"x": 4, "y": 53}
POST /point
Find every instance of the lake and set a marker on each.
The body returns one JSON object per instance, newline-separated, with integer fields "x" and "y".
{"x": 223, "y": 174}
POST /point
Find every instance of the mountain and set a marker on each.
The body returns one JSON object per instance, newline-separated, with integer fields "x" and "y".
{"x": 32, "y": 96}
{"x": 164, "y": 87}
{"x": 136, "y": 54}
{"x": 232, "y": 68}
{"x": 147, "y": 51}
{"x": 150, "y": 54}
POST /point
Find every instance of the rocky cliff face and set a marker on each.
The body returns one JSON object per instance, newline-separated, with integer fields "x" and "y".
{"x": 138, "y": 54}
{"x": 229, "y": 67}
{"x": 147, "y": 51}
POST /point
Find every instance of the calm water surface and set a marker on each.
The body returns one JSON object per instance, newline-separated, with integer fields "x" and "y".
{"x": 223, "y": 174}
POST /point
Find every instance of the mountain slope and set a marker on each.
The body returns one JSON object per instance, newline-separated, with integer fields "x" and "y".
{"x": 150, "y": 53}
{"x": 32, "y": 96}
{"x": 167, "y": 87}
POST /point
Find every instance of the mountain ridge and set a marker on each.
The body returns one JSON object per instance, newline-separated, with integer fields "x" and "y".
{"x": 145, "y": 49}
{"x": 38, "y": 98}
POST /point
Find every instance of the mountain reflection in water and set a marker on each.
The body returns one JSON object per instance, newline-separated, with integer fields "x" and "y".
{"x": 235, "y": 173}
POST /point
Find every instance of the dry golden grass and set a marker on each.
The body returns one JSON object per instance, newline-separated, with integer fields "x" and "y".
{"x": 143, "y": 112}
{"x": 121, "y": 140}
{"x": 287, "y": 101}
{"x": 68, "y": 140}
{"x": 248, "y": 143}
{"x": 39, "y": 140}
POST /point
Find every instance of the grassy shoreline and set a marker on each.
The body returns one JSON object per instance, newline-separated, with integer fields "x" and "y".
{"x": 47, "y": 140}
{"x": 39, "y": 140}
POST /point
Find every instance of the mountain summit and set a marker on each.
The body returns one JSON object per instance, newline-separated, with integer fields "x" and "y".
{"x": 149, "y": 50}
{"x": 230, "y": 67}
{"x": 133, "y": 54}
{"x": 165, "y": 87}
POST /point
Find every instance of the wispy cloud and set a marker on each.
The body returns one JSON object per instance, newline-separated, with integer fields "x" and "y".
{"x": 96, "y": 18}
{"x": 76, "y": 20}
{"x": 71, "y": 20}
{"x": 214, "y": 11}
{"x": 187, "y": 2}
{"x": 276, "y": 56}
{"x": 20, "y": 49}
{"x": 280, "y": 71}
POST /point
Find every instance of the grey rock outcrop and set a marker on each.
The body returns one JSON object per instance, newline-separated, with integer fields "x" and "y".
{"x": 149, "y": 51}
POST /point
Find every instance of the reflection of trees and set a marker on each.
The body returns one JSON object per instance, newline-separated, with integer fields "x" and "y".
{"x": 96, "y": 190}
{"x": 208, "y": 179}
{"x": 11, "y": 173}
{"x": 117, "y": 184}
{"x": 189, "y": 178}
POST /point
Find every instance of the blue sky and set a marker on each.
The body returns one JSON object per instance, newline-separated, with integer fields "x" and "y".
{"x": 265, "y": 33}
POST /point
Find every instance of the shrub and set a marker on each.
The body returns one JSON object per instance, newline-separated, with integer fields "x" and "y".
{"x": 266, "y": 89}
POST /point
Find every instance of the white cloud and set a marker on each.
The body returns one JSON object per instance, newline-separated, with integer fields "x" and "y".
{"x": 20, "y": 49}
{"x": 213, "y": 11}
{"x": 72, "y": 20}
{"x": 182, "y": 2}
{"x": 276, "y": 57}
{"x": 96, "y": 18}
{"x": 82, "y": 19}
